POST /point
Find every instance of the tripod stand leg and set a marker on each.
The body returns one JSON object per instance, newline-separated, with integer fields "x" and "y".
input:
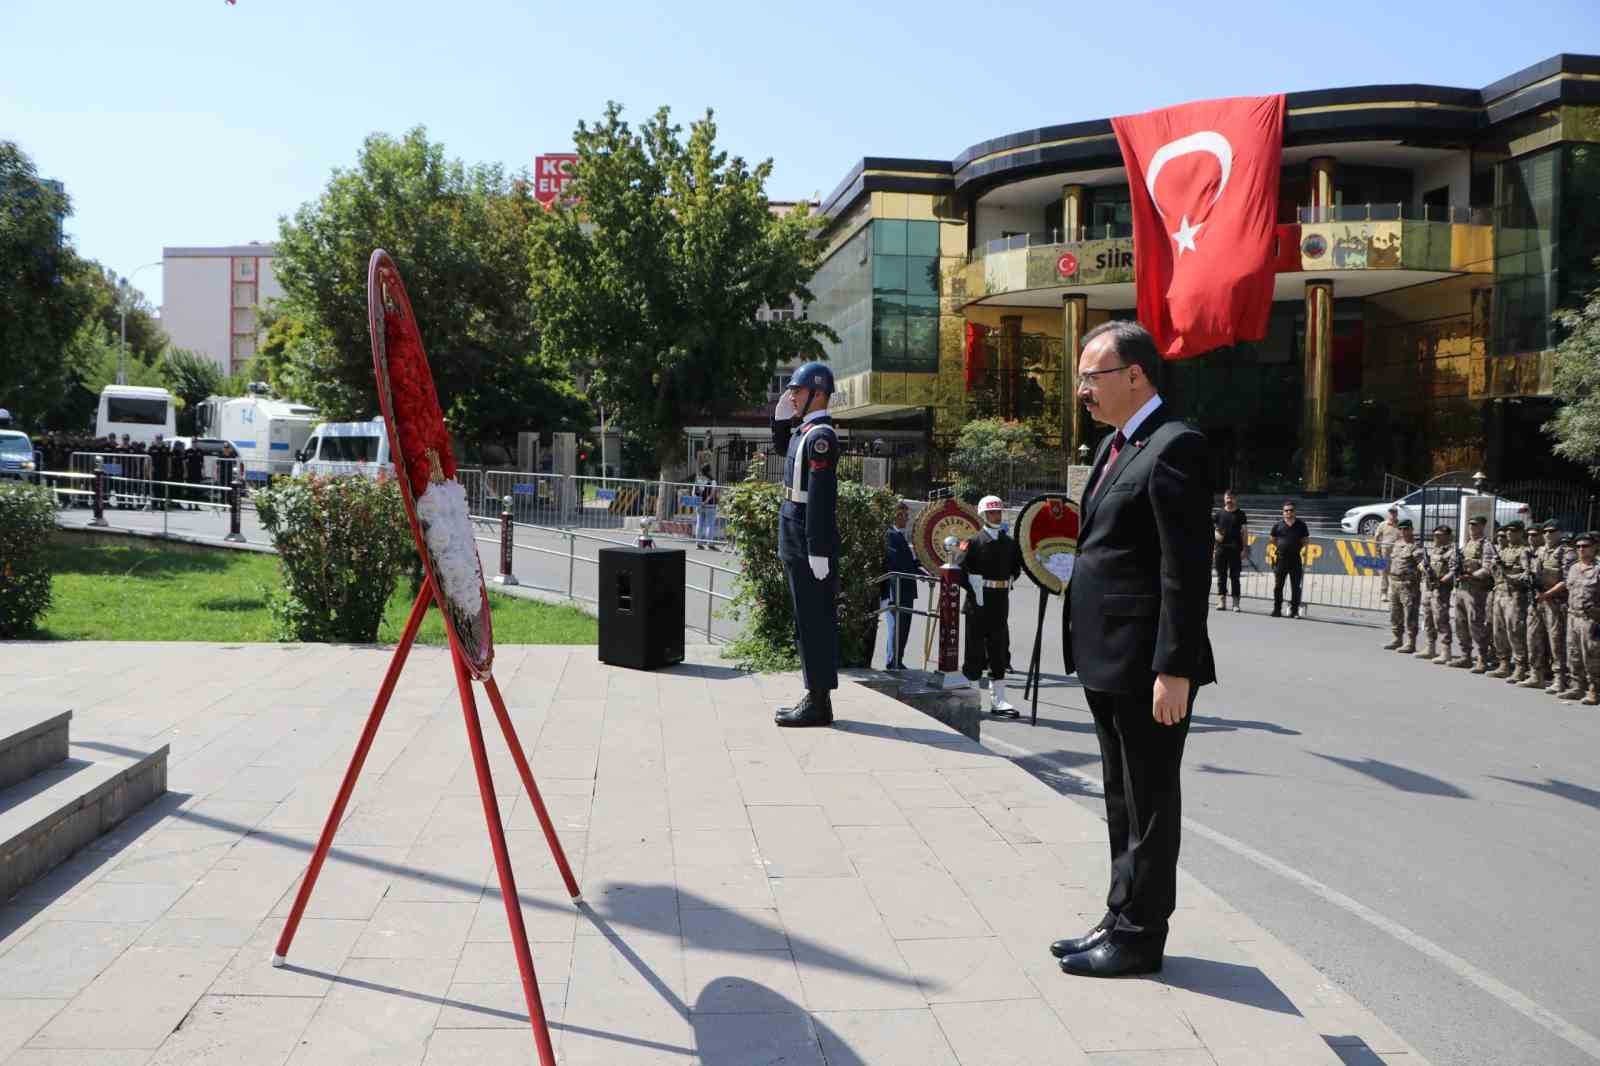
{"x": 336, "y": 815}
{"x": 517, "y": 756}
{"x": 502, "y": 864}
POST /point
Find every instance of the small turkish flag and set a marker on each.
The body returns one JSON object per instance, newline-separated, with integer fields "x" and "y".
{"x": 1204, "y": 184}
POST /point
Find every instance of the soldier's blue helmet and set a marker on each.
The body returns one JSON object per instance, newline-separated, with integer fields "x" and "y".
{"x": 814, "y": 375}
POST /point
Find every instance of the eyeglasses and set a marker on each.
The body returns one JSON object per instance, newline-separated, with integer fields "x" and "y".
{"x": 1086, "y": 377}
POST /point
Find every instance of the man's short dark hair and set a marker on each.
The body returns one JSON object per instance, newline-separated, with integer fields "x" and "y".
{"x": 1133, "y": 345}
{"x": 1289, "y": 503}
{"x": 1229, "y": 492}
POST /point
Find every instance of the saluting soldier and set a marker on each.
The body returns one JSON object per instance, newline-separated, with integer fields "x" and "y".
{"x": 990, "y": 562}
{"x": 1513, "y": 586}
{"x": 1474, "y": 575}
{"x": 1438, "y": 578}
{"x": 1405, "y": 581}
{"x": 808, "y": 537}
{"x": 1582, "y": 586}
{"x": 1547, "y": 615}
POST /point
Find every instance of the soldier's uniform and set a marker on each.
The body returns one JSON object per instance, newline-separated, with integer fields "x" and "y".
{"x": 1386, "y": 537}
{"x": 1470, "y": 601}
{"x": 1439, "y": 567}
{"x": 1583, "y": 620}
{"x": 808, "y": 529}
{"x": 1404, "y": 575}
{"x": 990, "y": 560}
{"x": 1513, "y": 582}
{"x": 1547, "y": 617}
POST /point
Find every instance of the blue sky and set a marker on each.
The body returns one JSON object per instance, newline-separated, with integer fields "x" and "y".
{"x": 184, "y": 122}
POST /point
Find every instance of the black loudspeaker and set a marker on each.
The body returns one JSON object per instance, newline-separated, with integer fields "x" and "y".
{"x": 641, "y": 607}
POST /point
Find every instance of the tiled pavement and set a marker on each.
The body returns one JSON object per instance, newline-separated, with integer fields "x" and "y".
{"x": 881, "y": 893}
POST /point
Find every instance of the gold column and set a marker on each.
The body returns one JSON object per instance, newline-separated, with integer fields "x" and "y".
{"x": 1322, "y": 186}
{"x": 1074, "y": 324}
{"x": 1318, "y": 384}
{"x": 1071, "y": 211}
{"x": 1010, "y": 360}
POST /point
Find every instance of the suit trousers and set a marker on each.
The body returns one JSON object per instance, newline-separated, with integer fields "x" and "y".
{"x": 816, "y": 625}
{"x": 1140, "y": 758}
{"x": 1295, "y": 575}
{"x": 1228, "y": 560}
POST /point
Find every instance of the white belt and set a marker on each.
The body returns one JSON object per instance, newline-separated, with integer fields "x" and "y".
{"x": 797, "y": 495}
{"x": 997, "y": 584}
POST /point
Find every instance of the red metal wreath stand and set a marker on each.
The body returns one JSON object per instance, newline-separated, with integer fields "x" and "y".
{"x": 491, "y": 813}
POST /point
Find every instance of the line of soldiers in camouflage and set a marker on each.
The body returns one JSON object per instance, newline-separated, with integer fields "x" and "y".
{"x": 1529, "y": 608}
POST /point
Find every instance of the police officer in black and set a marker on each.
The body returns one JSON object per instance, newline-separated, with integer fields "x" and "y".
{"x": 990, "y": 561}
{"x": 808, "y": 537}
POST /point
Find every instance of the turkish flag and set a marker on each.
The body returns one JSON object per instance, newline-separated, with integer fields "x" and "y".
{"x": 1204, "y": 184}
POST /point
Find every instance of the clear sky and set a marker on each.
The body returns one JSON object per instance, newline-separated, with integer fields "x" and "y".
{"x": 194, "y": 122}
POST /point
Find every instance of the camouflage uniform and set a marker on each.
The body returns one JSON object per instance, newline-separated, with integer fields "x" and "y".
{"x": 1583, "y": 611}
{"x": 1513, "y": 577}
{"x": 1470, "y": 599}
{"x": 1438, "y": 568}
{"x": 1386, "y": 537}
{"x": 1547, "y": 619}
{"x": 1405, "y": 594}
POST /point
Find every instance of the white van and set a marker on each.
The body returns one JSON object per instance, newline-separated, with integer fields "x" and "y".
{"x": 346, "y": 448}
{"x": 136, "y": 410}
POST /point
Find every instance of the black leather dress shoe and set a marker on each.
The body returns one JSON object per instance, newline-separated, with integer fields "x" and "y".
{"x": 1111, "y": 959}
{"x": 1079, "y": 944}
{"x": 812, "y": 710}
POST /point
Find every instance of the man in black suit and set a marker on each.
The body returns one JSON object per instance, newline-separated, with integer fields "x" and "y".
{"x": 1136, "y": 634}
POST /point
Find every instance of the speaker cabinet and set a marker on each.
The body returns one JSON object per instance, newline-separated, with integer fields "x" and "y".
{"x": 641, "y": 607}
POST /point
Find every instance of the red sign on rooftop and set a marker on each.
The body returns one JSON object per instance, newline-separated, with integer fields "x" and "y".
{"x": 551, "y": 174}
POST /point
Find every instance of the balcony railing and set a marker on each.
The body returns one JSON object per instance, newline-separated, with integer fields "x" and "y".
{"x": 1396, "y": 212}
{"x": 1011, "y": 242}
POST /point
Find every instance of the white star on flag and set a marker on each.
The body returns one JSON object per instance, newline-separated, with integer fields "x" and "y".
{"x": 1186, "y": 235}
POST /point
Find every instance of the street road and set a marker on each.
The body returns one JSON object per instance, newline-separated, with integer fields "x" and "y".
{"x": 1428, "y": 838}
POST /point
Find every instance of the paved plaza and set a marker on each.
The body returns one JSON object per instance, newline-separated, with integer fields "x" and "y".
{"x": 879, "y": 893}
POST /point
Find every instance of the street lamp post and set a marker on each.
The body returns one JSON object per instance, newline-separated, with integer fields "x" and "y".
{"x": 127, "y": 288}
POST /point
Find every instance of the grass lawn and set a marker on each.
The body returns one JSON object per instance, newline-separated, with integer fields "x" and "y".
{"x": 139, "y": 592}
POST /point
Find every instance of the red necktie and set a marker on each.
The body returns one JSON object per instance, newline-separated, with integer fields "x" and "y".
{"x": 1111, "y": 457}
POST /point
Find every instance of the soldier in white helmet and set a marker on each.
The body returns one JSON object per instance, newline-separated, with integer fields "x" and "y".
{"x": 990, "y": 562}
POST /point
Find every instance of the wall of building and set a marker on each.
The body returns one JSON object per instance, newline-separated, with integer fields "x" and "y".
{"x": 195, "y": 305}
{"x": 993, "y": 221}
{"x": 1454, "y": 171}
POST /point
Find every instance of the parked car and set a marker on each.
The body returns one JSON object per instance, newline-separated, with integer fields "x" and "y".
{"x": 16, "y": 456}
{"x": 1431, "y": 505}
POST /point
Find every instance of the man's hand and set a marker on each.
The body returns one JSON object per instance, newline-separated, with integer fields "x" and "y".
{"x": 785, "y": 409}
{"x": 819, "y": 566}
{"x": 1170, "y": 699}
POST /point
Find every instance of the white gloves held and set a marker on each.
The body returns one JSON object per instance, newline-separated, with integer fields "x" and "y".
{"x": 785, "y": 409}
{"x": 975, "y": 583}
{"x": 819, "y": 566}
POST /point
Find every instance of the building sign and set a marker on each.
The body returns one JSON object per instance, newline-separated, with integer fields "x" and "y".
{"x": 551, "y": 176}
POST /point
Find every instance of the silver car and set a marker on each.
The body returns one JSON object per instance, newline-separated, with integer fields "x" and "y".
{"x": 1431, "y": 505}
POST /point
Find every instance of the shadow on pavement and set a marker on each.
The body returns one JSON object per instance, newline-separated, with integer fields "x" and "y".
{"x": 1398, "y": 777}
{"x": 1565, "y": 789}
{"x": 1245, "y": 985}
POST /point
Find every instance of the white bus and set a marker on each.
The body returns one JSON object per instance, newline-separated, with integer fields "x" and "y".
{"x": 346, "y": 448}
{"x": 266, "y": 433}
{"x": 138, "y": 411}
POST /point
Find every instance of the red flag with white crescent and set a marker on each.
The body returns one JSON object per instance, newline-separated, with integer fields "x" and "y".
{"x": 1204, "y": 183}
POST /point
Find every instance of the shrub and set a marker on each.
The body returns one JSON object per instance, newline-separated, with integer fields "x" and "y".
{"x": 343, "y": 545}
{"x": 985, "y": 452}
{"x": 762, "y": 589}
{"x": 27, "y": 521}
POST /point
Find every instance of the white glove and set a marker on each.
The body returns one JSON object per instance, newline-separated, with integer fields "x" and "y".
{"x": 785, "y": 409}
{"x": 975, "y": 583}
{"x": 819, "y": 566}
{"x": 883, "y": 606}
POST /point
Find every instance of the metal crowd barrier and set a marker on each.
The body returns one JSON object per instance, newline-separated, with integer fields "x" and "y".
{"x": 128, "y": 475}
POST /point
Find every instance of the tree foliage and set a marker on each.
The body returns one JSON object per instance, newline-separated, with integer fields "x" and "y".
{"x": 1576, "y": 425}
{"x": 984, "y": 450}
{"x": 460, "y": 237}
{"x": 27, "y": 521}
{"x": 652, "y": 268}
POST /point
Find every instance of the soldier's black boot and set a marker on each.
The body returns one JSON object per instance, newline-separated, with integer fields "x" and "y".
{"x": 814, "y": 709}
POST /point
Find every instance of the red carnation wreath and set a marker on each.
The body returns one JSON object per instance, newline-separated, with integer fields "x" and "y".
{"x": 426, "y": 466}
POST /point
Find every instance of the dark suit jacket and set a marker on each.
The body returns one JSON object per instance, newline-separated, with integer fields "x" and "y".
{"x": 1137, "y": 602}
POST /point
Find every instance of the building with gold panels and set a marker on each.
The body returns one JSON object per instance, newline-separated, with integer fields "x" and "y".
{"x": 1425, "y": 232}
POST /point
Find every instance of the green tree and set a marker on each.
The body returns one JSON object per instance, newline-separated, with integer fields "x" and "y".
{"x": 460, "y": 237}
{"x": 191, "y": 377}
{"x": 985, "y": 450}
{"x": 651, "y": 271}
{"x": 108, "y": 294}
{"x": 1576, "y": 425}
{"x": 41, "y": 307}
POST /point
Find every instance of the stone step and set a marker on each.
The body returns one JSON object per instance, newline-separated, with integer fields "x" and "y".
{"x": 30, "y": 741}
{"x": 48, "y": 818}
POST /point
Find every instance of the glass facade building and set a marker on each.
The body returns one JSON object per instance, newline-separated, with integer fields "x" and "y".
{"x": 1442, "y": 225}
